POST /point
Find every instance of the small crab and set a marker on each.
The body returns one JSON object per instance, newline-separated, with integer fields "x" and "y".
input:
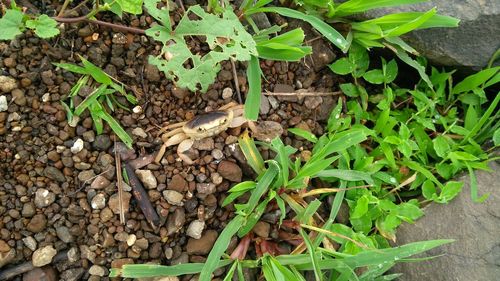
{"x": 201, "y": 126}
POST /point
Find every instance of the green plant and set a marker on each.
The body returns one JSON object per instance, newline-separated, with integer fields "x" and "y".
{"x": 96, "y": 101}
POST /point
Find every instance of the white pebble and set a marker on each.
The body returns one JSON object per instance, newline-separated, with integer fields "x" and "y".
{"x": 3, "y": 104}
{"x": 77, "y": 146}
{"x": 227, "y": 93}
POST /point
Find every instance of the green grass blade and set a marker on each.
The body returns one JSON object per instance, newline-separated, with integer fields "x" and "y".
{"x": 472, "y": 133}
{"x": 98, "y": 74}
{"x": 262, "y": 186}
{"x": 357, "y": 6}
{"x": 72, "y": 68}
{"x": 251, "y": 153}
{"x": 117, "y": 128}
{"x": 475, "y": 80}
{"x": 304, "y": 134}
{"x": 252, "y": 102}
{"x": 156, "y": 270}
{"x": 312, "y": 254}
{"x": 220, "y": 246}
{"x": 348, "y": 175}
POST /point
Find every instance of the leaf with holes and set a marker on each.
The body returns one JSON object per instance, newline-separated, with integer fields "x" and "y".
{"x": 44, "y": 26}
{"x": 11, "y": 24}
{"x": 225, "y": 35}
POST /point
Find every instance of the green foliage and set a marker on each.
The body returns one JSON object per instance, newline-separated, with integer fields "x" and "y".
{"x": 98, "y": 99}
{"x": 14, "y": 22}
{"x": 224, "y": 34}
{"x": 43, "y": 26}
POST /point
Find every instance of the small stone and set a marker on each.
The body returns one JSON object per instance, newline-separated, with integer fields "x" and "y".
{"x": 64, "y": 234}
{"x": 88, "y": 136}
{"x": 265, "y": 106}
{"x": 230, "y": 171}
{"x": 139, "y": 132}
{"x": 98, "y": 202}
{"x": 28, "y": 210}
{"x": 268, "y": 130}
{"x": 147, "y": 178}
{"x": 73, "y": 255}
{"x": 141, "y": 161}
{"x": 114, "y": 202}
{"x": 46, "y": 97}
{"x": 142, "y": 243}
{"x": 273, "y": 102}
{"x": 137, "y": 109}
{"x": 121, "y": 236}
{"x": 102, "y": 142}
{"x": 46, "y": 273}
{"x": 131, "y": 239}
{"x": 205, "y": 188}
{"x": 119, "y": 263}
{"x": 7, "y": 84}
{"x": 72, "y": 274}
{"x": 217, "y": 154}
{"x": 173, "y": 197}
{"x": 97, "y": 270}
{"x": 195, "y": 229}
{"x": 151, "y": 72}
{"x": 179, "y": 92}
{"x": 100, "y": 182}
{"x": 37, "y": 223}
{"x": 119, "y": 38}
{"x": 216, "y": 178}
{"x": 18, "y": 97}
{"x": 106, "y": 214}
{"x": 202, "y": 246}
{"x": 54, "y": 174}
{"x": 3, "y": 104}
{"x": 178, "y": 183}
{"x": 9, "y": 62}
{"x": 204, "y": 144}
{"x": 86, "y": 253}
{"x": 227, "y": 93}
{"x": 262, "y": 229}
{"x": 225, "y": 75}
{"x": 77, "y": 146}
{"x": 313, "y": 102}
{"x": 7, "y": 257}
{"x": 14, "y": 116}
{"x": 4, "y": 247}
{"x": 86, "y": 176}
{"x": 44, "y": 198}
{"x": 43, "y": 256}
{"x": 30, "y": 243}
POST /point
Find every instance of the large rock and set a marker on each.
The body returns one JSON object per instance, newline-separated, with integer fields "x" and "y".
{"x": 470, "y": 45}
{"x": 475, "y": 255}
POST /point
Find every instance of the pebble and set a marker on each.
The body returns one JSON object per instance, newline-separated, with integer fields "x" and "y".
{"x": 89, "y": 136}
{"x": 54, "y": 174}
{"x": 47, "y": 273}
{"x": 179, "y": 92}
{"x": 46, "y": 97}
{"x": 77, "y": 146}
{"x": 18, "y": 97}
{"x": 217, "y": 154}
{"x": 268, "y": 130}
{"x": 178, "y": 183}
{"x": 106, "y": 214}
{"x": 195, "y": 229}
{"x": 98, "y": 202}
{"x": 102, "y": 143}
{"x": 72, "y": 274}
{"x": 147, "y": 178}
{"x": 142, "y": 243}
{"x": 44, "y": 198}
{"x": 3, "y": 104}
{"x": 227, "y": 93}
{"x": 176, "y": 221}
{"x": 273, "y": 102}
{"x": 202, "y": 246}
{"x": 119, "y": 263}
{"x": 28, "y": 210}
{"x": 97, "y": 270}
{"x": 64, "y": 234}
{"x": 7, "y": 257}
{"x": 131, "y": 239}
{"x": 73, "y": 255}
{"x": 173, "y": 197}
{"x": 230, "y": 171}
{"x": 85, "y": 176}
{"x": 313, "y": 102}
{"x": 4, "y": 247}
{"x": 216, "y": 178}
{"x": 114, "y": 202}
{"x": 151, "y": 72}
{"x": 205, "y": 188}
{"x": 141, "y": 161}
{"x": 225, "y": 75}
{"x": 30, "y": 243}
{"x": 119, "y": 38}
{"x": 100, "y": 182}
{"x": 43, "y": 256}
{"x": 262, "y": 229}
{"x": 37, "y": 223}
{"x": 139, "y": 132}
{"x": 7, "y": 84}
{"x": 204, "y": 144}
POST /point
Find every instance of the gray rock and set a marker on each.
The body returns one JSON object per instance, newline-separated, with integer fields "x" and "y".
{"x": 97, "y": 270}
{"x": 470, "y": 45}
{"x": 475, "y": 254}
{"x": 147, "y": 178}
{"x": 195, "y": 229}
{"x": 102, "y": 142}
{"x": 72, "y": 274}
{"x": 54, "y": 174}
{"x": 8, "y": 257}
{"x": 173, "y": 197}
{"x": 44, "y": 198}
{"x": 64, "y": 234}
{"x": 30, "y": 242}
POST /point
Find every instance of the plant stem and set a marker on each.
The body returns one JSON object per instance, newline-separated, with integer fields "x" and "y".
{"x": 64, "y": 6}
{"x": 119, "y": 27}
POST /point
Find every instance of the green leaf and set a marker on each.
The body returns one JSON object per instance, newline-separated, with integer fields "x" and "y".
{"x": 496, "y": 137}
{"x": 402, "y": 55}
{"x": 220, "y": 246}
{"x": 117, "y": 128}
{"x": 44, "y": 26}
{"x": 471, "y": 118}
{"x": 342, "y": 66}
{"x": 131, "y": 6}
{"x": 156, "y": 270}
{"x": 361, "y": 207}
{"x": 450, "y": 190}
{"x": 225, "y": 35}
{"x": 97, "y": 73}
{"x": 252, "y": 102}
{"x": 358, "y": 6}
{"x": 428, "y": 190}
{"x": 475, "y": 80}
{"x": 441, "y": 146}
{"x": 11, "y": 24}
{"x": 374, "y": 76}
{"x": 325, "y": 29}
{"x": 461, "y": 155}
{"x": 251, "y": 153}
{"x": 72, "y": 68}
{"x": 262, "y": 186}
{"x": 304, "y": 134}
{"x": 347, "y": 175}
{"x": 390, "y": 71}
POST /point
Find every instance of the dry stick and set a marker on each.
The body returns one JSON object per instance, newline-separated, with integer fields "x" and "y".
{"x": 236, "y": 82}
{"x": 306, "y": 94}
{"x": 119, "y": 181}
{"x": 119, "y": 27}
{"x": 142, "y": 198}
{"x": 27, "y": 266}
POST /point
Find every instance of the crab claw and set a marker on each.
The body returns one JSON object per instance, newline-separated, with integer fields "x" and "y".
{"x": 175, "y": 139}
{"x": 184, "y": 146}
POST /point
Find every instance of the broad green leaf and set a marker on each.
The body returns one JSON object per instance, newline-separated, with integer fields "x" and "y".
{"x": 72, "y": 68}
{"x": 349, "y": 90}
{"x": 156, "y": 270}
{"x": 357, "y": 6}
{"x": 402, "y": 55}
{"x": 251, "y": 153}
{"x": 44, "y": 26}
{"x": 450, "y": 190}
{"x": 131, "y": 6}
{"x": 429, "y": 190}
{"x": 97, "y": 73}
{"x": 461, "y": 155}
{"x": 11, "y": 24}
{"x": 441, "y": 146}
{"x": 225, "y": 35}
{"x": 360, "y": 208}
{"x": 252, "y": 102}
{"x": 471, "y": 118}
{"x": 220, "y": 246}
{"x": 347, "y": 175}
{"x": 391, "y": 71}
{"x": 474, "y": 187}
{"x": 374, "y": 76}
{"x": 496, "y": 137}
{"x": 162, "y": 15}
{"x": 262, "y": 186}
{"x": 475, "y": 80}
{"x": 117, "y": 128}
{"x": 304, "y": 134}
{"x": 342, "y": 66}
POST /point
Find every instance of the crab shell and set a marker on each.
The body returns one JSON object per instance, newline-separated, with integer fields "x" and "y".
{"x": 208, "y": 124}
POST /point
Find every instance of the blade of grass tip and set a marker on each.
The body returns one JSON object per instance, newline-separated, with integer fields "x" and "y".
{"x": 230, "y": 273}
{"x": 473, "y": 186}
{"x": 251, "y": 153}
{"x": 312, "y": 254}
{"x": 155, "y": 270}
{"x": 252, "y": 102}
{"x": 262, "y": 186}
{"x": 482, "y": 120}
{"x": 220, "y": 247}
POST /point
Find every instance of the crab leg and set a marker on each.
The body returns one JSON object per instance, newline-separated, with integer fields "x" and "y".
{"x": 172, "y": 126}
{"x": 175, "y": 139}
{"x": 185, "y": 145}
